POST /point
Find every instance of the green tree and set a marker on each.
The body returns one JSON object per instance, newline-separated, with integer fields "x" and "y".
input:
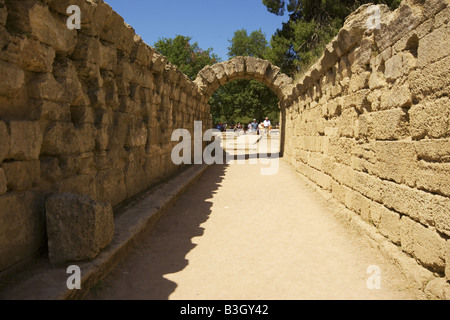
{"x": 243, "y": 44}
{"x": 245, "y": 100}
{"x": 312, "y": 24}
{"x": 189, "y": 58}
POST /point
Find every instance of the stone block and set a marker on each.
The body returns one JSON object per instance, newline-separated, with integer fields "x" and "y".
{"x": 107, "y": 57}
{"x": 63, "y": 139}
{"x": 26, "y": 140}
{"x": 389, "y": 222}
{"x": 3, "y": 182}
{"x": 389, "y": 124}
{"x": 359, "y": 81}
{"x": 395, "y": 25}
{"x": 433, "y": 150}
{"x": 12, "y": 79}
{"x": 78, "y": 228}
{"x": 428, "y": 209}
{"x": 341, "y": 149}
{"x": 447, "y": 260}
{"x": 44, "y": 86}
{"x": 425, "y": 244}
{"x": 78, "y": 184}
{"x": 430, "y": 119}
{"x": 37, "y": 57}
{"x": 396, "y": 160}
{"x": 347, "y": 124}
{"x": 432, "y": 80}
{"x": 110, "y": 185}
{"x": 441, "y": 208}
{"x": 399, "y": 65}
{"x": 3, "y": 13}
{"x": 368, "y": 185}
{"x": 442, "y": 18}
{"x": 22, "y": 175}
{"x": 434, "y": 46}
{"x": 50, "y": 111}
{"x": 434, "y": 177}
{"x": 235, "y": 68}
{"x": 377, "y": 80}
{"x": 50, "y": 170}
{"x": 4, "y": 141}
{"x": 86, "y": 7}
{"x": 432, "y": 7}
{"x": 51, "y": 29}
{"x": 396, "y": 97}
{"x": 22, "y": 227}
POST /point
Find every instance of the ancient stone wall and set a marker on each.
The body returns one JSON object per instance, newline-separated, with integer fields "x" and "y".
{"x": 88, "y": 111}
{"x": 370, "y": 124}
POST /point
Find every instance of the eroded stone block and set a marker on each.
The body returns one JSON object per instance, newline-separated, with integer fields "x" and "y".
{"x": 78, "y": 228}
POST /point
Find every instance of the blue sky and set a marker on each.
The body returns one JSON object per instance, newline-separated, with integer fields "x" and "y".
{"x": 211, "y": 23}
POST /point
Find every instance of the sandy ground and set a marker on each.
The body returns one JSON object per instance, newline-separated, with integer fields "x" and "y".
{"x": 239, "y": 235}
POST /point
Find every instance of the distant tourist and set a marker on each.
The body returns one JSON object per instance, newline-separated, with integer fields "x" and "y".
{"x": 267, "y": 126}
{"x": 254, "y": 126}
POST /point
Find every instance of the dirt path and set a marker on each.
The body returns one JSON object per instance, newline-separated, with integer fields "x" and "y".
{"x": 237, "y": 234}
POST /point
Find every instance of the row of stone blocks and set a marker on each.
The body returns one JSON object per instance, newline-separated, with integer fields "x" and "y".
{"x": 78, "y": 227}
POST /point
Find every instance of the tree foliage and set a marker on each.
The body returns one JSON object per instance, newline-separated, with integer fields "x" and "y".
{"x": 245, "y": 100}
{"x": 312, "y": 24}
{"x": 189, "y": 58}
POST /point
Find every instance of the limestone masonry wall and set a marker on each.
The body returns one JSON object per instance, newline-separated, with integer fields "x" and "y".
{"x": 91, "y": 111}
{"x": 88, "y": 111}
{"x": 370, "y": 123}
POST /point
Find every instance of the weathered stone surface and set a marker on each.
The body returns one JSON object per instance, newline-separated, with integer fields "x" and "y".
{"x": 397, "y": 24}
{"x": 3, "y": 186}
{"x": 424, "y": 244}
{"x": 389, "y": 224}
{"x": 438, "y": 289}
{"x": 110, "y": 184}
{"x": 4, "y": 141}
{"x": 12, "y": 79}
{"x": 78, "y": 228}
{"x": 397, "y": 161}
{"x": 388, "y": 125}
{"x": 431, "y": 119}
{"x": 419, "y": 205}
{"x": 50, "y": 111}
{"x": 44, "y": 86}
{"x": 78, "y": 184}
{"x": 442, "y": 18}
{"x": 87, "y": 7}
{"x": 447, "y": 259}
{"x": 63, "y": 138}
{"x": 433, "y": 177}
{"x": 433, "y": 150}
{"x": 397, "y": 97}
{"x": 37, "y": 57}
{"x": 50, "y": 29}
{"x": 432, "y": 80}
{"x": 22, "y": 227}
{"x": 22, "y": 175}
{"x": 26, "y": 140}
{"x": 3, "y": 13}
{"x": 399, "y": 65}
{"x": 434, "y": 46}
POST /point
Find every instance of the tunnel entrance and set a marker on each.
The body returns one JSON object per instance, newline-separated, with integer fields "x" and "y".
{"x": 211, "y": 78}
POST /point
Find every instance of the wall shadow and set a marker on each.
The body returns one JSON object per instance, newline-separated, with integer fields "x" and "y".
{"x": 163, "y": 250}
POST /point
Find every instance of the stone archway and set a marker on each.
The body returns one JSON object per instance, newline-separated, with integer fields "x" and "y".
{"x": 212, "y": 77}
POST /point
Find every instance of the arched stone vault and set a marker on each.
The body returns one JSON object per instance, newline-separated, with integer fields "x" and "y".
{"x": 212, "y": 77}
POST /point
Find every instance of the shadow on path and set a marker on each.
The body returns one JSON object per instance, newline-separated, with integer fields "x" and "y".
{"x": 163, "y": 251}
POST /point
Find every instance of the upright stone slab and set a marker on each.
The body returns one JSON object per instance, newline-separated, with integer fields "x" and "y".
{"x": 78, "y": 228}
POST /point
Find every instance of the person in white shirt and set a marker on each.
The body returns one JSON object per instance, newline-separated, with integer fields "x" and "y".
{"x": 267, "y": 126}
